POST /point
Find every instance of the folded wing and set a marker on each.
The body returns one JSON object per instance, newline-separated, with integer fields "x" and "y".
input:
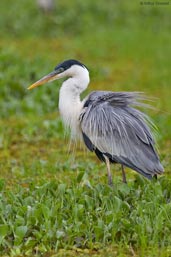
{"x": 112, "y": 127}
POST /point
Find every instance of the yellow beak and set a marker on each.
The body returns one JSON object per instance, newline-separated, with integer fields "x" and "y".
{"x": 50, "y": 77}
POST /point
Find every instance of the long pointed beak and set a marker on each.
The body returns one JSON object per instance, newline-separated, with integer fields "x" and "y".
{"x": 50, "y": 77}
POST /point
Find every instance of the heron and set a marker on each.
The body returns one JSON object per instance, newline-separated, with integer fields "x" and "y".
{"x": 109, "y": 123}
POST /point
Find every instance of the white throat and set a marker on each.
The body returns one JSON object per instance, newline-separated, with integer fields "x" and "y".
{"x": 70, "y": 105}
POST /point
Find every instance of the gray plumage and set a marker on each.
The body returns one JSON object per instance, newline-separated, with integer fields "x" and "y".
{"x": 113, "y": 128}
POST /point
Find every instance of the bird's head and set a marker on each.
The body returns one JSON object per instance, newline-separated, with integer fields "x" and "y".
{"x": 69, "y": 68}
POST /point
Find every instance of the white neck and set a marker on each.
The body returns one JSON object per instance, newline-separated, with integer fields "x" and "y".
{"x": 70, "y": 105}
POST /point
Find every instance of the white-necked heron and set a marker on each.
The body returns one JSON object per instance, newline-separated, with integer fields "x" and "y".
{"x": 106, "y": 121}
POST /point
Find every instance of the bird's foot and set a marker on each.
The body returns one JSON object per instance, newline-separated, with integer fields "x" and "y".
{"x": 124, "y": 180}
{"x": 110, "y": 181}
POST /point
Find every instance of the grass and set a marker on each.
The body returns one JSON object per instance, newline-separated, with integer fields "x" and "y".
{"x": 83, "y": 215}
{"x": 55, "y": 200}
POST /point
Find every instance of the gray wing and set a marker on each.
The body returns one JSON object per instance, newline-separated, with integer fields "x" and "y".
{"x": 111, "y": 127}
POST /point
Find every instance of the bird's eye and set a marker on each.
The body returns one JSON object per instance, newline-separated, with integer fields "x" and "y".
{"x": 61, "y": 69}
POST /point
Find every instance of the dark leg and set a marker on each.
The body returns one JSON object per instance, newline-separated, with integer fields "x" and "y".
{"x": 110, "y": 181}
{"x": 155, "y": 176}
{"x": 123, "y": 174}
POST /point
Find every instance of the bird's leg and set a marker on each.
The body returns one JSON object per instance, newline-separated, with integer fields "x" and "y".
{"x": 110, "y": 182}
{"x": 123, "y": 174}
{"x": 155, "y": 177}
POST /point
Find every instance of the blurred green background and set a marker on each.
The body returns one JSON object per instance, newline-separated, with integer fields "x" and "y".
{"x": 127, "y": 47}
